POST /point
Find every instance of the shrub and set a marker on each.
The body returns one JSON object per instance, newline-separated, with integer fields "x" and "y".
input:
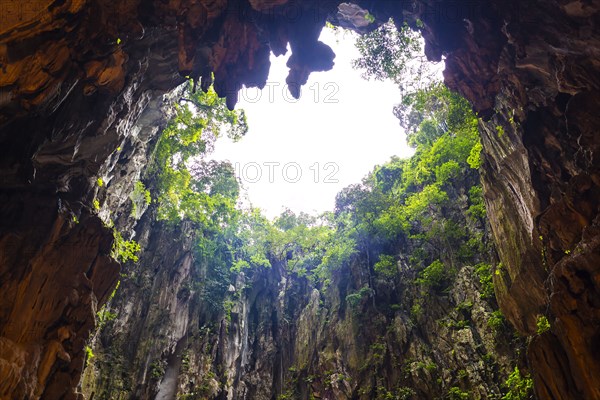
{"x": 386, "y": 266}
{"x": 434, "y": 276}
{"x": 416, "y": 311}
{"x": 124, "y": 250}
{"x": 496, "y": 321}
{"x": 455, "y": 393}
{"x": 484, "y": 272}
{"x": 543, "y": 325}
{"x": 405, "y": 393}
{"x": 354, "y": 299}
{"x": 520, "y": 387}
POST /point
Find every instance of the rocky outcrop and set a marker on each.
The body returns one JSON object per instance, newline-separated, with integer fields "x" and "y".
{"x": 274, "y": 334}
{"x": 376, "y": 349}
{"x": 76, "y": 76}
{"x": 530, "y": 70}
{"x": 81, "y": 83}
{"x": 540, "y": 137}
{"x": 51, "y": 286}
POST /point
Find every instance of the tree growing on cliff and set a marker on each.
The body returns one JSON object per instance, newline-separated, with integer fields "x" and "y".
{"x": 185, "y": 186}
{"x": 394, "y": 51}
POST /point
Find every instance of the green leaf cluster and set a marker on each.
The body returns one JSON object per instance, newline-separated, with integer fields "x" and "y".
{"x": 392, "y": 51}
{"x": 520, "y": 387}
{"x": 484, "y": 272}
{"x": 543, "y": 325}
{"x": 140, "y": 199}
{"x": 387, "y": 266}
{"x": 124, "y": 250}
{"x": 354, "y": 299}
{"x": 415, "y": 200}
{"x": 186, "y": 186}
{"x": 435, "y": 276}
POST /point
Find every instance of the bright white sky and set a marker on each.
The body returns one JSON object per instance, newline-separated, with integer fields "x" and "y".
{"x": 340, "y": 119}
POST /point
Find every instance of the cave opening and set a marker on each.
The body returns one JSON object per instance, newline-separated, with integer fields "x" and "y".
{"x": 131, "y": 266}
{"x": 280, "y": 288}
{"x": 299, "y": 153}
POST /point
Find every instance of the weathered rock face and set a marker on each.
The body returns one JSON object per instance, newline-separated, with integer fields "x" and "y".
{"x": 536, "y": 77}
{"x": 49, "y": 296}
{"x": 170, "y": 337}
{"x": 530, "y": 69}
{"x": 80, "y": 85}
{"x": 280, "y": 336}
{"x": 75, "y": 76}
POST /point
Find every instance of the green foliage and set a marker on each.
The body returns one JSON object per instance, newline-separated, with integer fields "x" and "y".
{"x": 387, "y": 266}
{"x": 338, "y": 252}
{"x": 484, "y": 272}
{"x": 140, "y": 198}
{"x": 416, "y": 311}
{"x": 99, "y": 182}
{"x": 520, "y": 387}
{"x": 228, "y": 307}
{"x": 405, "y": 393}
{"x": 500, "y": 130}
{"x": 464, "y": 306}
{"x": 239, "y": 265}
{"x": 124, "y": 250}
{"x": 104, "y": 316}
{"x": 429, "y": 113}
{"x": 391, "y": 53}
{"x": 424, "y": 201}
{"x": 156, "y": 370}
{"x": 455, "y": 393}
{"x": 384, "y": 394}
{"x": 543, "y": 325}
{"x": 187, "y": 187}
{"x": 354, "y": 299}
{"x": 434, "y": 276}
{"x": 89, "y": 354}
{"x": 474, "y": 158}
{"x": 378, "y": 350}
{"x": 410, "y": 199}
{"x": 477, "y": 208}
{"x": 496, "y": 321}
{"x": 96, "y": 204}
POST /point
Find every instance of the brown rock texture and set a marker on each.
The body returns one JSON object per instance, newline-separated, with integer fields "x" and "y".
{"x": 76, "y": 75}
{"x": 541, "y": 179}
{"x": 81, "y": 86}
{"x": 531, "y": 71}
{"x": 50, "y": 288}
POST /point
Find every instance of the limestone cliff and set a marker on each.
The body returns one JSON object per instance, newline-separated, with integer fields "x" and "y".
{"x": 282, "y": 336}
{"x": 75, "y": 77}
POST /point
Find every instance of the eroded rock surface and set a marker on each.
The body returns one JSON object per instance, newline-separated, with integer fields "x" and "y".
{"x": 280, "y": 335}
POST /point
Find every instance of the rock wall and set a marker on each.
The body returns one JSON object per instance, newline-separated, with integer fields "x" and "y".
{"x": 76, "y": 75}
{"x": 169, "y": 341}
{"x": 81, "y": 83}
{"x": 280, "y": 336}
{"x": 541, "y": 179}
